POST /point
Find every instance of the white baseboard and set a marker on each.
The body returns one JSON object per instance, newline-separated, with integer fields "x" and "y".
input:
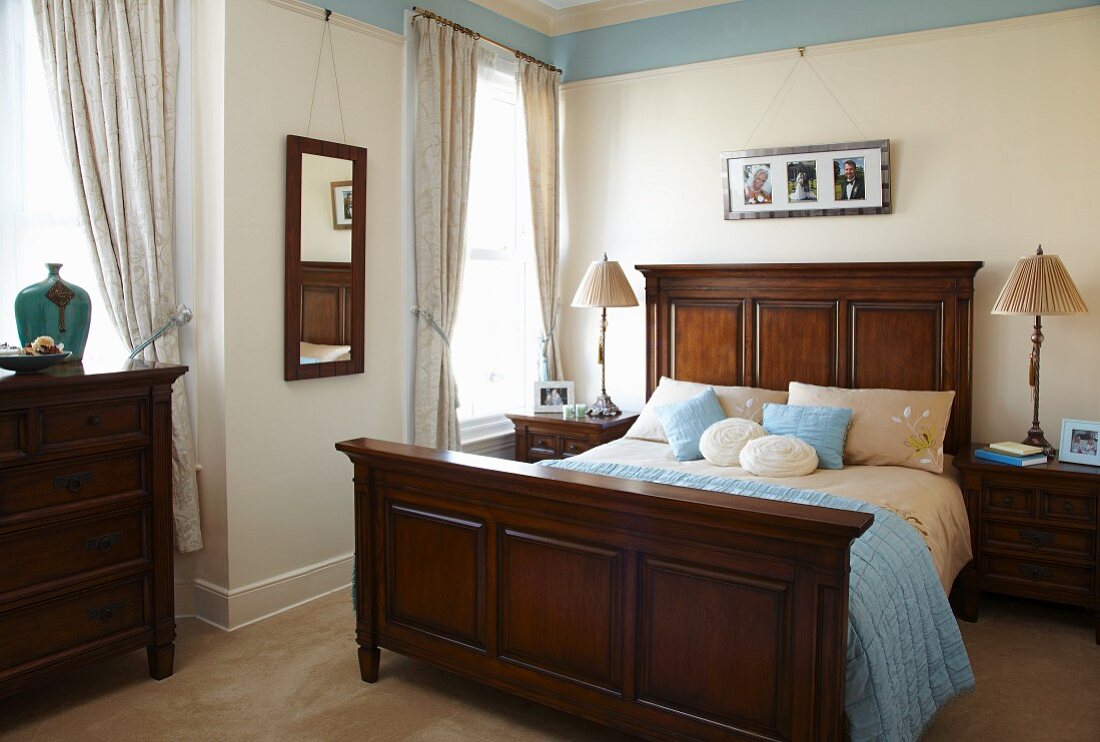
{"x": 232, "y": 609}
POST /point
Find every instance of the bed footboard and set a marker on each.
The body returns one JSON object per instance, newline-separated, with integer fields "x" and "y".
{"x": 665, "y": 612}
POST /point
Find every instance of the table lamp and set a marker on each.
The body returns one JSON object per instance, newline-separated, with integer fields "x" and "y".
{"x": 604, "y": 285}
{"x": 1039, "y": 285}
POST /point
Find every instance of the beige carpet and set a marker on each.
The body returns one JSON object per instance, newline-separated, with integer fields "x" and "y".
{"x": 295, "y": 677}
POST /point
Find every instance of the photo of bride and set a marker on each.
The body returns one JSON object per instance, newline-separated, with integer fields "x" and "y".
{"x": 802, "y": 180}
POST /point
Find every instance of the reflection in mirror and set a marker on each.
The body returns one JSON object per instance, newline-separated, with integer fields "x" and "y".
{"x": 327, "y": 208}
{"x": 325, "y": 247}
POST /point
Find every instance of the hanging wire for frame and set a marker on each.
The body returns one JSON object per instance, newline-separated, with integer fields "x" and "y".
{"x": 798, "y": 62}
{"x": 336, "y": 78}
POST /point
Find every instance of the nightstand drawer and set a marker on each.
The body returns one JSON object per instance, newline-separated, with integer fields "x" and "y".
{"x": 1008, "y": 501}
{"x": 573, "y": 446}
{"x": 77, "y": 621}
{"x": 70, "y": 482}
{"x": 1068, "y": 506}
{"x": 42, "y": 555}
{"x": 1039, "y": 540}
{"x": 69, "y": 427}
{"x": 542, "y": 445}
{"x": 1046, "y": 575}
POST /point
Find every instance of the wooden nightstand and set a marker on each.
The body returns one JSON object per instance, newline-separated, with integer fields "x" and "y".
{"x": 1034, "y": 530}
{"x": 548, "y": 436}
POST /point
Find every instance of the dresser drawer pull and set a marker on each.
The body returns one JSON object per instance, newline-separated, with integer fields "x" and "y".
{"x": 106, "y": 613}
{"x": 103, "y": 543}
{"x": 1007, "y": 499}
{"x": 95, "y": 421}
{"x": 1035, "y": 573}
{"x": 1037, "y": 538}
{"x": 1067, "y": 506}
{"x": 72, "y": 482}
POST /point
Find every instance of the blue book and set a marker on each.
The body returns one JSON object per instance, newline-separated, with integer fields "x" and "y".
{"x": 987, "y": 454}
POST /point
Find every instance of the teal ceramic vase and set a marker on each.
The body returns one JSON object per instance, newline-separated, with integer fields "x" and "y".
{"x": 56, "y": 308}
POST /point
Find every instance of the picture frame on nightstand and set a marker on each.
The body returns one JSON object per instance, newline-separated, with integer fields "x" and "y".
{"x": 551, "y": 395}
{"x": 1080, "y": 442}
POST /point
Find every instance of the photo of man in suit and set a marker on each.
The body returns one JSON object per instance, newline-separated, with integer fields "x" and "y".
{"x": 850, "y": 180}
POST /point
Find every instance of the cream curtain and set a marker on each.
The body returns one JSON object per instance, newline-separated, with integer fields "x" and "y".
{"x": 448, "y": 62}
{"x": 540, "y": 88}
{"x": 111, "y": 70}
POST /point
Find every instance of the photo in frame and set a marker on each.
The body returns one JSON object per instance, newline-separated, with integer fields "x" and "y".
{"x": 1080, "y": 442}
{"x": 551, "y": 395}
{"x": 341, "y": 204}
{"x": 838, "y": 179}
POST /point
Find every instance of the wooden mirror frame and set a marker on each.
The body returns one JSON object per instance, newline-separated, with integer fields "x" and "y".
{"x": 294, "y": 369}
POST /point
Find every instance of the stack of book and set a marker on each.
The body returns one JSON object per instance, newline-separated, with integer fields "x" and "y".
{"x": 1013, "y": 454}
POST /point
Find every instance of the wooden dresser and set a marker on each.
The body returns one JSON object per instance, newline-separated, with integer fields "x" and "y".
{"x": 1034, "y": 530}
{"x": 85, "y": 518}
{"x": 542, "y": 436}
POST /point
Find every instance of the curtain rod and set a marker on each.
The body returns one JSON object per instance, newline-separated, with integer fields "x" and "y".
{"x": 462, "y": 29}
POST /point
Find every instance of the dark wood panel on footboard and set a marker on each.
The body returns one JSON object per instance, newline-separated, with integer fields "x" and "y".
{"x": 666, "y": 612}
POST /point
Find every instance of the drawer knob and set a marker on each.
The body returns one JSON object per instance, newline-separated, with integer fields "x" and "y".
{"x": 72, "y": 482}
{"x": 1034, "y": 572}
{"x": 1067, "y": 506}
{"x": 103, "y": 543}
{"x": 1007, "y": 500}
{"x": 1037, "y": 538}
{"x": 95, "y": 421}
{"x": 106, "y": 613}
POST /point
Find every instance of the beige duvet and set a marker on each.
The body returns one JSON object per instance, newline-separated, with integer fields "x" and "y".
{"x": 931, "y": 503}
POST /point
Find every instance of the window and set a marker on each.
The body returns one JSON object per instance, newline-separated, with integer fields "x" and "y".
{"x": 39, "y": 217}
{"x": 494, "y": 347}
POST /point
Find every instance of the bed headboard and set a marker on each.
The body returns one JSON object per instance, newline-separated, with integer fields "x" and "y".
{"x": 326, "y": 303}
{"x": 855, "y": 325}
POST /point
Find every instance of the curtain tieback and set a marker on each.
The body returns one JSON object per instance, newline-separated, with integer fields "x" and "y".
{"x": 430, "y": 318}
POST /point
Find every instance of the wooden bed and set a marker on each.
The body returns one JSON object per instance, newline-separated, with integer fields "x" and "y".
{"x": 666, "y": 612}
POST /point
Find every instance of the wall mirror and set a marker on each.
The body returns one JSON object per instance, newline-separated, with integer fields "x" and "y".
{"x": 326, "y": 189}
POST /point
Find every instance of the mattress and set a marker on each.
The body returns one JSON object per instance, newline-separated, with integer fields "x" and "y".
{"x": 931, "y": 503}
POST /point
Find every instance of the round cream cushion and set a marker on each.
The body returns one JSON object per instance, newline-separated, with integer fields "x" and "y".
{"x": 778, "y": 456}
{"x": 722, "y": 442}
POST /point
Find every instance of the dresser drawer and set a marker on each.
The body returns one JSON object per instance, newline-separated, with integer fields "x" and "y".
{"x": 542, "y": 445}
{"x": 1047, "y": 575}
{"x": 13, "y": 436}
{"x": 96, "y": 424}
{"x": 1039, "y": 539}
{"x": 73, "y": 549}
{"x": 1068, "y": 506}
{"x": 77, "y": 481}
{"x": 573, "y": 446}
{"x": 1008, "y": 501}
{"x": 75, "y": 622}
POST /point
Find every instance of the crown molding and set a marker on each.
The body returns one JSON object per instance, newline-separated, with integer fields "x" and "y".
{"x": 554, "y": 22}
{"x": 840, "y": 47}
{"x": 343, "y": 21}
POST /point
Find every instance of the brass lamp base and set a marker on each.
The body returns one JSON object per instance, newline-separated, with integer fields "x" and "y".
{"x": 604, "y": 407}
{"x": 1035, "y": 437}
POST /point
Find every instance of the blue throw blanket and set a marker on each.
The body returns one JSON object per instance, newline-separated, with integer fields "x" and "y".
{"x": 905, "y": 655}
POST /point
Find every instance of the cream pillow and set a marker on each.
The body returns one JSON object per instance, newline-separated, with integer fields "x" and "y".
{"x": 722, "y": 442}
{"x": 737, "y": 401}
{"x": 890, "y": 427}
{"x": 778, "y": 456}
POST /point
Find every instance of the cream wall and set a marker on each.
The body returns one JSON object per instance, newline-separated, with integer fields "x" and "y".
{"x": 277, "y": 497}
{"x": 995, "y": 147}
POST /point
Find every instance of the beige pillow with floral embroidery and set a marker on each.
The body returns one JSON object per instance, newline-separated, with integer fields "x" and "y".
{"x": 737, "y": 401}
{"x": 890, "y": 427}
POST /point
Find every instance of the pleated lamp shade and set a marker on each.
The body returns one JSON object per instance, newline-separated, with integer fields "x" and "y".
{"x": 1039, "y": 285}
{"x": 605, "y": 285}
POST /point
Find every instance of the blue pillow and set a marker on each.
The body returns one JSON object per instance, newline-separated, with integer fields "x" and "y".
{"x": 824, "y": 428}
{"x": 684, "y": 422}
